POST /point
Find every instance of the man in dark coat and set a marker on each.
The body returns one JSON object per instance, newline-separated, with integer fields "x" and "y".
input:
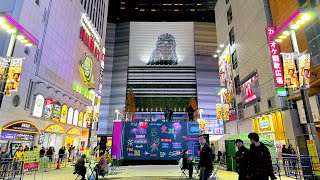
{"x": 260, "y": 163}
{"x": 205, "y": 163}
{"x": 242, "y": 160}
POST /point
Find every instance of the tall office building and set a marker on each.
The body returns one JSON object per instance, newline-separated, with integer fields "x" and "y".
{"x": 47, "y": 105}
{"x": 161, "y": 10}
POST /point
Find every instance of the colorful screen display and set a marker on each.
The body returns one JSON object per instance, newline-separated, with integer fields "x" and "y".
{"x": 250, "y": 90}
{"x": 159, "y": 140}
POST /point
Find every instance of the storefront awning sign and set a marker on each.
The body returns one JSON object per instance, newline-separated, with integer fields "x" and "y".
{"x": 55, "y": 129}
{"x": 23, "y": 127}
{"x": 74, "y": 131}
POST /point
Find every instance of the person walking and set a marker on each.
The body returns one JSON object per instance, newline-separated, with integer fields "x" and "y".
{"x": 18, "y": 157}
{"x": 42, "y": 152}
{"x": 79, "y": 167}
{"x": 186, "y": 163}
{"x": 284, "y": 158}
{"x": 260, "y": 162}
{"x": 205, "y": 163}
{"x": 292, "y": 159}
{"x": 61, "y": 153}
{"x": 4, "y": 153}
{"x": 50, "y": 153}
{"x": 242, "y": 158}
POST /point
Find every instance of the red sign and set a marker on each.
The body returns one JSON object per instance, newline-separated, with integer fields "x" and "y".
{"x": 143, "y": 125}
{"x": 28, "y": 167}
{"x": 275, "y": 57}
{"x": 88, "y": 40}
{"x": 166, "y": 140}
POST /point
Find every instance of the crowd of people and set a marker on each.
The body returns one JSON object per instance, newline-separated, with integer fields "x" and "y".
{"x": 256, "y": 162}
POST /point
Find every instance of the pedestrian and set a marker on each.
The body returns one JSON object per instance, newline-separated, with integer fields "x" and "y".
{"x": 205, "y": 164}
{"x": 42, "y": 152}
{"x": 4, "y": 153}
{"x": 260, "y": 162}
{"x": 292, "y": 159}
{"x": 213, "y": 149}
{"x": 80, "y": 168}
{"x": 18, "y": 158}
{"x": 102, "y": 164}
{"x": 61, "y": 153}
{"x": 26, "y": 148}
{"x": 242, "y": 158}
{"x": 284, "y": 158}
{"x": 186, "y": 163}
{"x": 50, "y": 153}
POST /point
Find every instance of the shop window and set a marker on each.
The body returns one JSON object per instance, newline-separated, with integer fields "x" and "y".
{"x": 229, "y": 15}
{"x": 231, "y": 36}
{"x": 310, "y": 33}
{"x": 234, "y": 60}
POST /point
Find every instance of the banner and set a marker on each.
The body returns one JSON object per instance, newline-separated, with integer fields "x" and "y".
{"x": 3, "y": 65}
{"x": 219, "y": 111}
{"x": 290, "y": 74}
{"x": 89, "y": 110}
{"x": 56, "y": 111}
{"x": 31, "y": 161}
{"x": 304, "y": 69}
{"x": 38, "y": 106}
{"x": 95, "y": 113}
{"x": 226, "y": 112}
{"x": 14, "y": 72}
{"x": 48, "y": 108}
{"x": 64, "y": 112}
{"x": 80, "y": 119}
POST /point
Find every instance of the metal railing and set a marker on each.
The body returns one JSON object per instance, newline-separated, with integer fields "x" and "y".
{"x": 11, "y": 169}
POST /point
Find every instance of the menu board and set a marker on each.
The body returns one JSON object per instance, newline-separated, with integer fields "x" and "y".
{"x": 159, "y": 140}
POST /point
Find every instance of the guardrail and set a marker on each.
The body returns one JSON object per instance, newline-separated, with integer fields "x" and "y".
{"x": 11, "y": 169}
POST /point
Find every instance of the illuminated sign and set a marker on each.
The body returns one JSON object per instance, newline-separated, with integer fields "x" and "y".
{"x": 89, "y": 41}
{"x": 38, "y": 106}
{"x": 70, "y": 115}
{"x": 22, "y": 126}
{"x": 48, "y": 108}
{"x": 276, "y": 63}
{"x": 86, "y": 69}
{"x": 64, "y": 112}
{"x": 55, "y": 129}
{"x": 56, "y": 111}
{"x": 264, "y": 124}
{"x": 250, "y": 90}
{"x": 82, "y": 90}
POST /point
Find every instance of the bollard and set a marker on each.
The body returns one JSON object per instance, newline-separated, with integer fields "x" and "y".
{"x": 58, "y": 164}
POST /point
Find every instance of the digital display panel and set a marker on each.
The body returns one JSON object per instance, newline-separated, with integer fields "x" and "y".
{"x": 159, "y": 140}
{"x": 250, "y": 90}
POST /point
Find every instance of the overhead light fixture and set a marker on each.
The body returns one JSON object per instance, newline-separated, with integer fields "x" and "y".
{"x": 300, "y": 21}
{"x": 287, "y": 33}
{"x": 218, "y": 51}
{"x": 215, "y": 56}
{"x": 221, "y": 45}
{"x": 28, "y": 44}
{"x": 278, "y": 40}
{"x": 2, "y": 20}
{"x": 11, "y": 31}
{"x": 306, "y": 16}
{"x": 5, "y": 26}
{"x": 294, "y": 26}
{"x": 20, "y": 37}
{"x": 282, "y": 37}
{"x": 24, "y": 41}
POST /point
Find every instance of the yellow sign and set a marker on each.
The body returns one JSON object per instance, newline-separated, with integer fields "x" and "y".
{"x": 64, "y": 112}
{"x": 86, "y": 69}
{"x": 313, "y": 152}
{"x": 95, "y": 114}
{"x": 89, "y": 110}
{"x": 80, "y": 122}
{"x": 74, "y": 131}
{"x": 55, "y": 129}
{"x": 13, "y": 76}
{"x": 219, "y": 111}
{"x": 226, "y": 111}
{"x": 202, "y": 125}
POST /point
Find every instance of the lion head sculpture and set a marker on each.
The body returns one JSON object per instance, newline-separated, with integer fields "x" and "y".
{"x": 165, "y": 52}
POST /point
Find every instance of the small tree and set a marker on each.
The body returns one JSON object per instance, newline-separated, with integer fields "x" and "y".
{"x": 130, "y": 106}
{"x": 193, "y": 103}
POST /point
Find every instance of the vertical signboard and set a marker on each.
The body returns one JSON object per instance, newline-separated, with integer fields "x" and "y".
{"x": 64, "y": 112}
{"x": 70, "y": 116}
{"x": 290, "y": 73}
{"x": 38, "y": 106}
{"x": 304, "y": 69}
{"x": 56, "y": 111}
{"x": 89, "y": 110}
{"x": 3, "y": 65}
{"x": 48, "y": 108}
{"x": 80, "y": 121}
{"x": 219, "y": 111}
{"x": 75, "y": 117}
{"x": 13, "y": 76}
{"x": 95, "y": 114}
{"x": 275, "y": 57}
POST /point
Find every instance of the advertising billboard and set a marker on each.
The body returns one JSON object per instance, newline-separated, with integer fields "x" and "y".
{"x": 250, "y": 90}
{"x": 159, "y": 140}
{"x": 290, "y": 74}
{"x": 161, "y": 43}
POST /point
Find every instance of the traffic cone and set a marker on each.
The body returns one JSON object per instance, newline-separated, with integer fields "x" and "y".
{"x": 58, "y": 164}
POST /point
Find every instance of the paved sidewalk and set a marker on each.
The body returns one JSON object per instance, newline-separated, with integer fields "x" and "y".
{"x": 131, "y": 173}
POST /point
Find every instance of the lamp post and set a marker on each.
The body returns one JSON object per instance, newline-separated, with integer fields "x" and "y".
{"x": 296, "y": 20}
{"x": 93, "y": 92}
{"x": 117, "y": 114}
{"x": 17, "y": 32}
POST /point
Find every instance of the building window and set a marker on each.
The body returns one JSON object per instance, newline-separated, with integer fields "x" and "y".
{"x": 38, "y": 2}
{"x": 301, "y": 2}
{"x": 231, "y": 37}
{"x": 237, "y": 84}
{"x": 234, "y": 60}
{"x": 229, "y": 15}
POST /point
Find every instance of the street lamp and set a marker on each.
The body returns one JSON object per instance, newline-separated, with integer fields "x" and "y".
{"x": 17, "y": 32}
{"x": 93, "y": 92}
{"x": 295, "y": 21}
{"x": 117, "y": 114}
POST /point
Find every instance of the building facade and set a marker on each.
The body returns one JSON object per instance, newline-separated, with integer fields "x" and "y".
{"x": 241, "y": 27}
{"x": 49, "y": 107}
{"x": 165, "y": 64}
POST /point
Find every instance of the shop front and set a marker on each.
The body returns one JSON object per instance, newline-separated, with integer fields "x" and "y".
{"x": 271, "y": 126}
{"x": 52, "y": 137}
{"x": 19, "y": 133}
{"x": 73, "y": 138}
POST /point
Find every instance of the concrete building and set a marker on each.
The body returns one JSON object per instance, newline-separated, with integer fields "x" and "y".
{"x": 132, "y": 49}
{"x": 241, "y": 27}
{"x": 49, "y": 107}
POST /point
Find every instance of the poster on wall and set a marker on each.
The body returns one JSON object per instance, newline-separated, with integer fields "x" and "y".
{"x": 64, "y": 113}
{"x": 219, "y": 111}
{"x": 48, "y": 108}
{"x": 226, "y": 80}
{"x": 304, "y": 69}
{"x": 250, "y": 90}
{"x": 75, "y": 117}
{"x": 38, "y": 106}
{"x": 56, "y": 111}
{"x": 80, "y": 121}
{"x": 214, "y": 127}
{"x": 89, "y": 110}
{"x": 70, "y": 116}
{"x": 161, "y": 43}
{"x": 3, "y": 65}
{"x": 159, "y": 140}
{"x": 84, "y": 122}
{"x": 226, "y": 112}
{"x": 290, "y": 74}
{"x": 95, "y": 113}
{"x": 13, "y": 76}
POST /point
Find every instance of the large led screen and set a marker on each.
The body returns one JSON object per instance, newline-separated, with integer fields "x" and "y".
{"x": 250, "y": 90}
{"x": 161, "y": 43}
{"x": 159, "y": 140}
